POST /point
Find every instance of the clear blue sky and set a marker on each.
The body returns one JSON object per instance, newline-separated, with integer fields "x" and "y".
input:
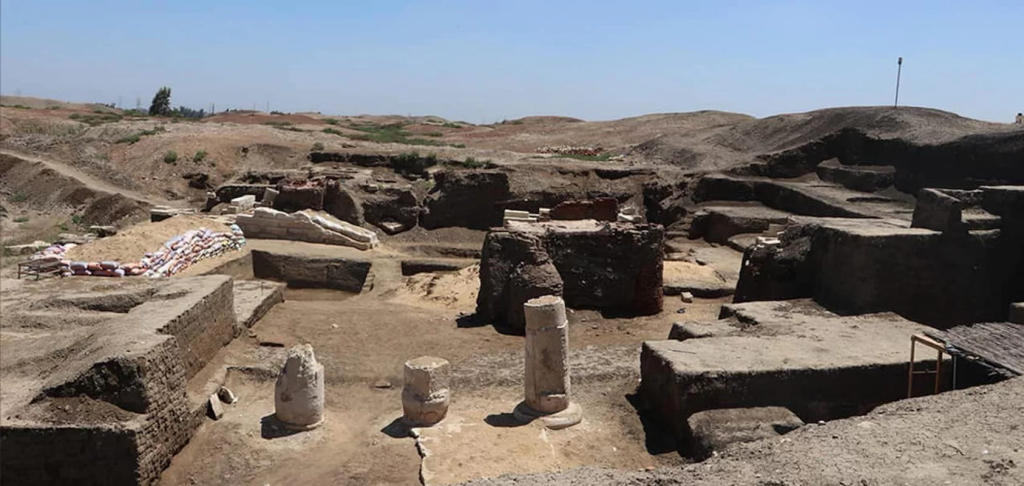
{"x": 484, "y": 60}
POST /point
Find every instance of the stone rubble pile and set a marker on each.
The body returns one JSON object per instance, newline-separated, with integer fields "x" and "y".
{"x": 571, "y": 150}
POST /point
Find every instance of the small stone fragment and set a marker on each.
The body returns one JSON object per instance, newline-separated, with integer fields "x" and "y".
{"x": 226, "y": 395}
{"x": 382, "y": 384}
{"x": 216, "y": 410}
{"x": 686, "y": 297}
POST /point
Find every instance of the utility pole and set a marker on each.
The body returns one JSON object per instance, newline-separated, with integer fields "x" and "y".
{"x": 899, "y": 70}
{"x": 268, "y": 106}
{"x": 119, "y": 101}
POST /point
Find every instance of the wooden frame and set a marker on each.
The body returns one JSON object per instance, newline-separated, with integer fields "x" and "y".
{"x": 931, "y": 343}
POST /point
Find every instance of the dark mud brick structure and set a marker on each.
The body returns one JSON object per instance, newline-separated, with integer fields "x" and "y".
{"x": 616, "y": 267}
{"x": 962, "y": 261}
{"x": 114, "y": 409}
{"x": 311, "y": 271}
{"x": 790, "y": 354}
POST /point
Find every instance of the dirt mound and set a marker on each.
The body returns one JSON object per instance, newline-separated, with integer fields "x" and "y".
{"x": 530, "y": 133}
{"x": 455, "y": 290}
{"x": 258, "y": 118}
{"x": 722, "y": 147}
{"x": 43, "y": 103}
{"x": 130, "y": 245}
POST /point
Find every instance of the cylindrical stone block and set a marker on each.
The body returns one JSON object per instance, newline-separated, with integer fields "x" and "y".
{"x": 299, "y": 391}
{"x": 425, "y": 397}
{"x": 547, "y": 354}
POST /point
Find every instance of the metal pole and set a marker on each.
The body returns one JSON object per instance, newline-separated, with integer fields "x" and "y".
{"x": 899, "y": 70}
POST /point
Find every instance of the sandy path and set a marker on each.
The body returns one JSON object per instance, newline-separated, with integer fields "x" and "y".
{"x": 90, "y": 181}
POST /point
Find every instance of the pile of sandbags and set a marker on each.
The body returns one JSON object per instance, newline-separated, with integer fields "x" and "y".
{"x": 53, "y": 252}
{"x": 183, "y": 250}
{"x": 97, "y": 269}
{"x": 175, "y": 255}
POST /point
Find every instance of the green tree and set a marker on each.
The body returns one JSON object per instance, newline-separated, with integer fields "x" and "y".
{"x": 161, "y": 105}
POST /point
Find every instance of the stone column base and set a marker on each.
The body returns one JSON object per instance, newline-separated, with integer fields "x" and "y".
{"x": 572, "y": 415}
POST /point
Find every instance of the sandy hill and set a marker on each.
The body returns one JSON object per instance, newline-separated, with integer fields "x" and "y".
{"x": 728, "y": 145}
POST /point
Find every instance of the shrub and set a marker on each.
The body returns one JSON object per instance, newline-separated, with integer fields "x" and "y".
{"x": 331, "y": 121}
{"x": 472, "y": 163}
{"x": 451, "y": 125}
{"x": 21, "y": 219}
{"x": 332, "y": 131}
{"x": 77, "y": 219}
{"x": 593, "y": 158}
{"x": 434, "y": 134}
{"x": 276, "y": 123}
{"x": 19, "y": 198}
{"x": 318, "y": 147}
{"x": 459, "y": 145}
{"x": 170, "y": 157}
{"x": 129, "y": 139}
{"x": 199, "y": 156}
{"x": 135, "y": 137}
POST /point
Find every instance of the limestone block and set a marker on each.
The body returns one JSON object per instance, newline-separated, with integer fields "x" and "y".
{"x": 426, "y": 396}
{"x": 244, "y": 203}
{"x": 299, "y": 391}
{"x": 269, "y": 195}
{"x": 216, "y": 410}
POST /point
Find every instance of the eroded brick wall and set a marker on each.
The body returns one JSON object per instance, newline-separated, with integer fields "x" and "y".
{"x": 205, "y": 328}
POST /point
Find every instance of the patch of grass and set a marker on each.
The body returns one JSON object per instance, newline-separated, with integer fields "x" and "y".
{"x": 433, "y": 134}
{"x": 275, "y": 123}
{"x": 62, "y": 227}
{"x": 77, "y": 219}
{"x": 592, "y": 158}
{"x": 52, "y": 107}
{"x": 199, "y": 156}
{"x": 391, "y": 133}
{"x": 472, "y": 163}
{"x": 318, "y": 147}
{"x": 21, "y": 107}
{"x": 95, "y": 120}
{"x": 134, "y": 113}
{"x": 459, "y": 145}
{"x": 135, "y": 137}
{"x": 331, "y": 121}
{"x": 292, "y": 129}
{"x": 332, "y": 131}
{"x": 101, "y": 112}
{"x": 451, "y": 125}
{"x": 21, "y": 219}
{"x": 19, "y": 198}
{"x": 170, "y": 157}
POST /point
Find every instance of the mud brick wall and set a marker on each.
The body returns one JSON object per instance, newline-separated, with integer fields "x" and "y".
{"x": 81, "y": 455}
{"x": 170, "y": 420}
{"x": 127, "y": 453}
{"x": 297, "y": 198}
{"x": 618, "y": 268}
{"x": 311, "y": 272}
{"x": 204, "y": 328}
{"x": 813, "y": 394}
{"x": 937, "y": 211}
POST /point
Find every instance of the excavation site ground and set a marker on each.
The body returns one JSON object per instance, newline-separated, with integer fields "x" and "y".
{"x": 833, "y": 297}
